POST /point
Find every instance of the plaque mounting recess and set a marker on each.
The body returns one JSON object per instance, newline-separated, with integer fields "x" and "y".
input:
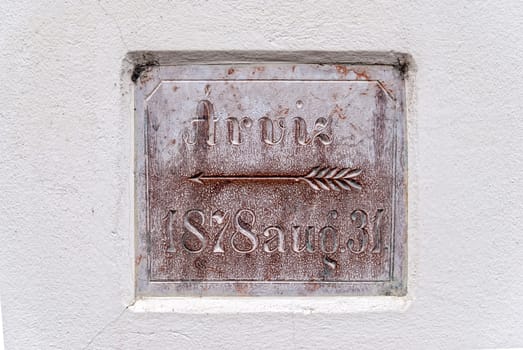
{"x": 270, "y": 179}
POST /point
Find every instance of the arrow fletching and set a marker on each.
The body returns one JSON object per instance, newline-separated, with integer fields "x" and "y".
{"x": 334, "y": 179}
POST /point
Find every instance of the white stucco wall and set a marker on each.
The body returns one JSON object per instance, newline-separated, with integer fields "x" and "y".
{"x": 66, "y": 207}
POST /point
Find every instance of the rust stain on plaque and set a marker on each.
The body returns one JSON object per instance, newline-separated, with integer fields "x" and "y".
{"x": 277, "y": 185}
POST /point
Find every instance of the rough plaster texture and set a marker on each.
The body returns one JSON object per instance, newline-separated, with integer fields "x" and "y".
{"x": 66, "y": 174}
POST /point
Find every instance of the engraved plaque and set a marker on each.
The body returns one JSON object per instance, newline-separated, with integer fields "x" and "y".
{"x": 271, "y": 179}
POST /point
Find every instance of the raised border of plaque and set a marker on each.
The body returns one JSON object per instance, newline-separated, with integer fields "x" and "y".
{"x": 389, "y": 78}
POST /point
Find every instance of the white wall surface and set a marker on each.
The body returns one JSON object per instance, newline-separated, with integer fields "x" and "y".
{"x": 66, "y": 207}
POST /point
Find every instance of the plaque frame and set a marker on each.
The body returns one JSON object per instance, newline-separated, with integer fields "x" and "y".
{"x": 151, "y": 76}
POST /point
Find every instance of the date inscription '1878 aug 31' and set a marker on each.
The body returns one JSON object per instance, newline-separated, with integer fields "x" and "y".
{"x": 271, "y": 179}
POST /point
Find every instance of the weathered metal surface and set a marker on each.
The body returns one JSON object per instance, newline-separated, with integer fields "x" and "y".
{"x": 270, "y": 179}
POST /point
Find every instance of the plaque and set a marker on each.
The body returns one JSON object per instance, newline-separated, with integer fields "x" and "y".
{"x": 270, "y": 179}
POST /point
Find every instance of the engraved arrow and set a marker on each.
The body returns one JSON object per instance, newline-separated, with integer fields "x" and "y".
{"x": 318, "y": 178}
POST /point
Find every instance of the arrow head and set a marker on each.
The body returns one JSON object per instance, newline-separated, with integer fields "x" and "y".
{"x": 196, "y": 178}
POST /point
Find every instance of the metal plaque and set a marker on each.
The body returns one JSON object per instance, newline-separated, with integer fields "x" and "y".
{"x": 270, "y": 179}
